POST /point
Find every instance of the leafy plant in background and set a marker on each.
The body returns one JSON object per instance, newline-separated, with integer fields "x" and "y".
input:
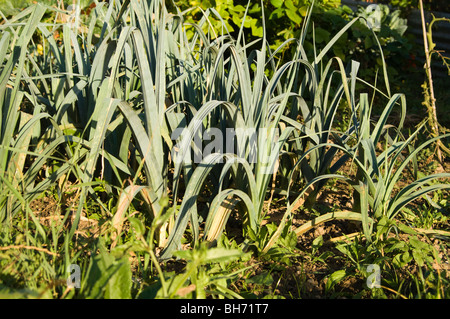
{"x": 286, "y": 18}
{"x": 390, "y": 29}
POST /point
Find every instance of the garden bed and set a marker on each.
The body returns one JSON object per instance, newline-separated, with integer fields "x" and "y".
{"x": 145, "y": 154}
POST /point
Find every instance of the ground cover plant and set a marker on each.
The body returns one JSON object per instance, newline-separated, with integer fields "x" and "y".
{"x": 146, "y": 155}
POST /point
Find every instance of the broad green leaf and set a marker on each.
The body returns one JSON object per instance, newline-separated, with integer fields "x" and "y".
{"x": 222, "y": 255}
{"x": 264, "y": 278}
{"x": 293, "y": 16}
{"x": 277, "y": 3}
{"x": 119, "y": 285}
{"x": 137, "y": 225}
{"x": 338, "y": 275}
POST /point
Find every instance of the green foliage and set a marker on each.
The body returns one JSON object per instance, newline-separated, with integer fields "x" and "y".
{"x": 407, "y": 266}
{"x": 204, "y": 274}
{"x": 107, "y": 276}
{"x": 389, "y": 28}
{"x": 89, "y": 114}
{"x": 9, "y": 7}
{"x": 287, "y": 17}
{"x": 284, "y": 17}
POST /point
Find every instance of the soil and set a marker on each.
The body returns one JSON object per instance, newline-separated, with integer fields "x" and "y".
{"x": 306, "y": 278}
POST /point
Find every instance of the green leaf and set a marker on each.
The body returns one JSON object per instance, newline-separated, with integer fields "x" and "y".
{"x": 151, "y": 291}
{"x": 418, "y": 257}
{"x": 303, "y": 10}
{"x": 236, "y": 19}
{"x": 184, "y": 254}
{"x": 334, "y": 278}
{"x": 276, "y": 3}
{"x": 290, "y": 240}
{"x": 364, "y": 204}
{"x": 138, "y": 226}
{"x": 97, "y": 277}
{"x": 257, "y": 31}
{"x": 294, "y": 17}
{"x": 107, "y": 276}
{"x": 383, "y": 225}
{"x": 277, "y": 14}
{"x": 416, "y": 243}
{"x": 119, "y": 286}
{"x": 221, "y": 254}
{"x": 249, "y": 21}
{"x": 264, "y": 278}
{"x": 331, "y": 43}
{"x": 400, "y": 245}
{"x": 321, "y": 35}
{"x": 238, "y": 8}
{"x": 406, "y": 229}
{"x": 290, "y": 5}
{"x": 317, "y": 242}
{"x": 368, "y": 43}
{"x": 338, "y": 275}
{"x": 401, "y": 260}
